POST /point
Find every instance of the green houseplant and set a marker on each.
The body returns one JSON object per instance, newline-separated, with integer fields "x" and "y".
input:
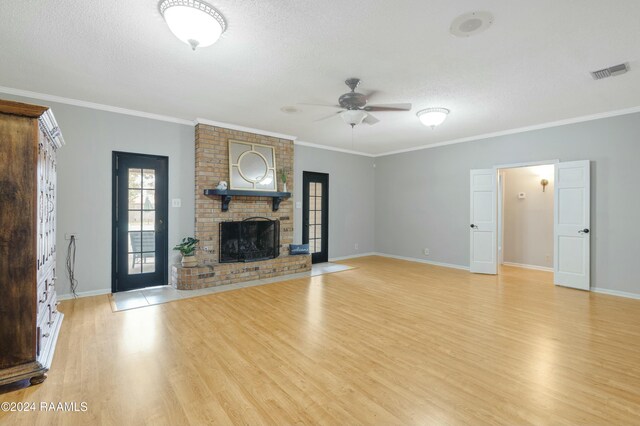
{"x": 188, "y": 250}
{"x": 283, "y": 173}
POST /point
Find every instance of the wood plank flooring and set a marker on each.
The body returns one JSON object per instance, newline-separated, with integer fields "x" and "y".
{"x": 391, "y": 342}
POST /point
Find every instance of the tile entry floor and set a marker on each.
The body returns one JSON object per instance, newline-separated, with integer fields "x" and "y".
{"x": 162, "y": 294}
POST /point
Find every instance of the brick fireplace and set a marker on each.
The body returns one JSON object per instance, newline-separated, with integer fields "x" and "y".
{"x": 212, "y": 166}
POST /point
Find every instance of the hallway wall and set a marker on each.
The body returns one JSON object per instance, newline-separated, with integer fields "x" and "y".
{"x": 528, "y": 222}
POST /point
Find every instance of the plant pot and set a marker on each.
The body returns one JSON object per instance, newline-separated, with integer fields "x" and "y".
{"x": 284, "y": 186}
{"x": 189, "y": 261}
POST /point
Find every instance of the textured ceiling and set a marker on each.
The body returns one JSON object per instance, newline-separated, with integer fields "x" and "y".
{"x": 532, "y": 66}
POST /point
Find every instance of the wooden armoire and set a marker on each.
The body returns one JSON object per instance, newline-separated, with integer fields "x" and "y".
{"x": 29, "y": 317}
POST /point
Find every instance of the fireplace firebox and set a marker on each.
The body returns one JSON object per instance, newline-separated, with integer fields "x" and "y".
{"x": 249, "y": 240}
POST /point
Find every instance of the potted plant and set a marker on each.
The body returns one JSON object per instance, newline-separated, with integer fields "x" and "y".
{"x": 283, "y": 174}
{"x": 188, "y": 250}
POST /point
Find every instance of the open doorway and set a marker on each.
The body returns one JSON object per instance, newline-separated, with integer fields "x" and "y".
{"x": 571, "y": 218}
{"x": 525, "y": 217}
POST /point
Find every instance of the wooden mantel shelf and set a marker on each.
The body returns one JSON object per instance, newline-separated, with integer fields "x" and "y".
{"x": 227, "y": 195}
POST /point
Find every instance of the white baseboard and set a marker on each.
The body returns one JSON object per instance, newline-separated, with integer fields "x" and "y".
{"x": 392, "y": 256}
{"x": 352, "y": 256}
{"x": 69, "y": 296}
{"x": 615, "y": 293}
{"x": 534, "y": 267}
{"x": 428, "y": 262}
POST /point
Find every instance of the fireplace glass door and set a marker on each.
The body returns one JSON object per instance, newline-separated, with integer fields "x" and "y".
{"x": 249, "y": 240}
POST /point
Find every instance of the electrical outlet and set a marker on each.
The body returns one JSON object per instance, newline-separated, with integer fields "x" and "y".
{"x": 355, "y": 246}
{"x": 68, "y": 236}
{"x": 176, "y": 202}
{"x": 426, "y": 252}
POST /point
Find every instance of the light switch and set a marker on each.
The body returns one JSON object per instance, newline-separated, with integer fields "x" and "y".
{"x": 298, "y": 204}
{"x": 176, "y": 202}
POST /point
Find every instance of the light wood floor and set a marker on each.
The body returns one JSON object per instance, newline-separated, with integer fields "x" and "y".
{"x": 391, "y": 342}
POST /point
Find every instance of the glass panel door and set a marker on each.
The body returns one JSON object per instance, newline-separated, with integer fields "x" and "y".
{"x": 140, "y": 218}
{"x": 315, "y": 212}
{"x": 141, "y": 224}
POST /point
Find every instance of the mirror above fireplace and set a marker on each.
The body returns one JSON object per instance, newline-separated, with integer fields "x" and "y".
{"x": 252, "y": 166}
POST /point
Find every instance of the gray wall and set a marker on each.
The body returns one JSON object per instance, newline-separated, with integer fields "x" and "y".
{"x": 411, "y": 201}
{"x": 351, "y": 198}
{"x": 528, "y": 222}
{"x": 84, "y": 183}
{"x": 423, "y": 196}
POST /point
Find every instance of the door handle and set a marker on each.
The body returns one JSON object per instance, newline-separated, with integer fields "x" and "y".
{"x": 583, "y": 231}
{"x": 474, "y": 226}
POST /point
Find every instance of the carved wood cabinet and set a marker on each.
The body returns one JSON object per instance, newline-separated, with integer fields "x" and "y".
{"x": 29, "y": 317}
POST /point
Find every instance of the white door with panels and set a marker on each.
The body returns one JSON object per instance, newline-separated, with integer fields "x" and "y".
{"x": 483, "y": 229}
{"x": 571, "y": 225}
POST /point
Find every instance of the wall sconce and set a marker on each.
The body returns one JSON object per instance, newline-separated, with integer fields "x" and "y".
{"x": 544, "y": 183}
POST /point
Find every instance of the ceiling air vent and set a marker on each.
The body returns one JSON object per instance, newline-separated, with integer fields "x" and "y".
{"x": 609, "y": 72}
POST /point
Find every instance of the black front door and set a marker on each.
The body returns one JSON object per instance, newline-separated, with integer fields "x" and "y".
{"x": 315, "y": 215}
{"x": 139, "y": 237}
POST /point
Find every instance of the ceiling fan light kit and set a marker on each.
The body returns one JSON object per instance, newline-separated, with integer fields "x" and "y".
{"x": 355, "y": 109}
{"x": 194, "y": 22}
{"x": 353, "y": 116}
{"x": 433, "y": 117}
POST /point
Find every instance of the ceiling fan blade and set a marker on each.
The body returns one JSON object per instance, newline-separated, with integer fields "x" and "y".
{"x": 388, "y": 107}
{"x": 320, "y": 105}
{"x": 370, "y": 94}
{"x": 326, "y": 117}
{"x": 370, "y": 120}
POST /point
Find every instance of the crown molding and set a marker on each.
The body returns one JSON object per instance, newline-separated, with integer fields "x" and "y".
{"x": 136, "y": 113}
{"x": 159, "y": 117}
{"x": 558, "y": 123}
{"x": 332, "y": 148}
{"x": 92, "y": 105}
{"x": 244, "y": 129}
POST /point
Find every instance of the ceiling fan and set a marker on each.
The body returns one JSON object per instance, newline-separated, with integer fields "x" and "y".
{"x": 354, "y": 108}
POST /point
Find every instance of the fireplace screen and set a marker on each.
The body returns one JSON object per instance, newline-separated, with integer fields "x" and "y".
{"x": 250, "y": 240}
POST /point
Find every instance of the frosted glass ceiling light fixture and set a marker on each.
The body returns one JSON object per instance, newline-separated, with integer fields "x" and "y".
{"x": 432, "y": 117}
{"x": 194, "y": 22}
{"x": 353, "y": 116}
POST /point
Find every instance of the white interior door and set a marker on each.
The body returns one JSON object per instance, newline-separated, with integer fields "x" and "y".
{"x": 483, "y": 230}
{"x": 571, "y": 224}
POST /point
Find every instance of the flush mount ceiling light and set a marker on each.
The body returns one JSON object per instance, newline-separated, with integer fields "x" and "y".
{"x": 432, "y": 117}
{"x": 194, "y": 22}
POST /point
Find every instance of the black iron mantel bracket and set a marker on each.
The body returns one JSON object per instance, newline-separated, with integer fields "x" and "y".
{"x": 226, "y": 199}
{"x": 227, "y": 195}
